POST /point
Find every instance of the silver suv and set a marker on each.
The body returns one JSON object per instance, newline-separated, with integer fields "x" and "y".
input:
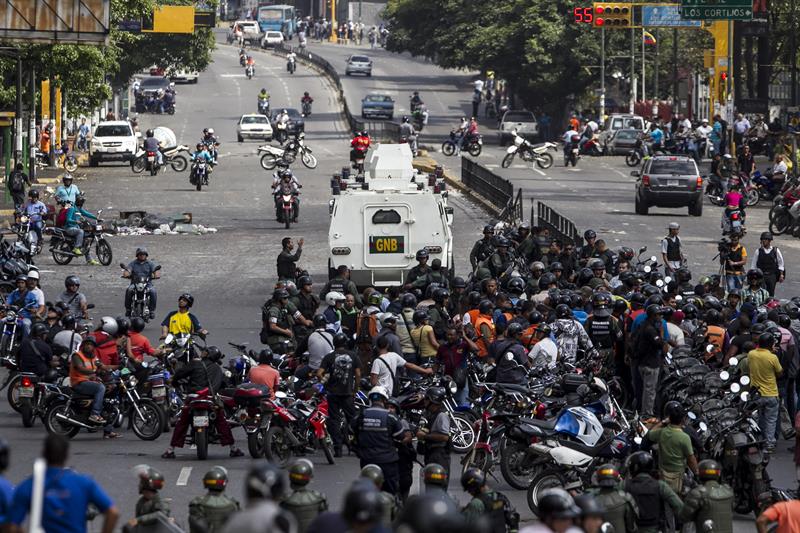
{"x": 669, "y": 181}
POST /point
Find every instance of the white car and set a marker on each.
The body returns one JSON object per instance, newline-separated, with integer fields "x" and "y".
{"x": 113, "y": 140}
{"x": 254, "y": 126}
{"x": 184, "y": 76}
{"x": 272, "y": 38}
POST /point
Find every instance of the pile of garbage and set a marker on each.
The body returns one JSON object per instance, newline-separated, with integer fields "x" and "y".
{"x": 142, "y": 223}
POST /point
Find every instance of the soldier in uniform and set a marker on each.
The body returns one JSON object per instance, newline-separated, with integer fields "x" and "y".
{"x": 341, "y": 283}
{"x": 603, "y": 329}
{"x": 527, "y": 246}
{"x": 208, "y": 513}
{"x": 278, "y": 322}
{"x": 501, "y": 515}
{"x": 437, "y": 275}
{"x": 388, "y": 501}
{"x": 620, "y": 507}
{"x": 307, "y": 303}
{"x": 405, "y": 451}
{"x": 438, "y": 315}
{"x": 499, "y": 261}
{"x": 419, "y": 272}
{"x": 150, "y": 507}
{"x": 482, "y": 249}
{"x": 287, "y": 261}
{"x": 711, "y": 500}
{"x": 434, "y": 436}
{"x": 304, "y": 503}
{"x": 651, "y": 495}
{"x": 436, "y": 479}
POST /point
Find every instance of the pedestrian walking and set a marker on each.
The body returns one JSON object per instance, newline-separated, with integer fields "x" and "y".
{"x": 341, "y": 372}
{"x": 17, "y": 182}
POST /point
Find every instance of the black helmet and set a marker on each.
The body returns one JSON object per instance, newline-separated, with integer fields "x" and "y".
{"x": 72, "y": 280}
{"x": 674, "y": 411}
{"x": 653, "y": 299}
{"x": 637, "y": 300}
{"x": 755, "y": 273}
{"x": 683, "y": 274}
{"x": 607, "y": 475}
{"x": 188, "y": 297}
{"x": 459, "y": 283}
{"x": 485, "y": 307}
{"x": 265, "y": 481}
{"x": 300, "y": 473}
{"x": 514, "y": 329}
{"x": 488, "y": 228}
{"x": 557, "y": 503}
{"x": 319, "y": 321}
{"x": 216, "y": 479}
{"x": 712, "y": 302}
{"x": 440, "y": 295}
{"x": 535, "y": 317}
{"x": 556, "y": 266}
{"x": 150, "y": 479}
{"x": 596, "y": 264}
{"x": 362, "y": 503}
{"x": 516, "y": 286}
{"x": 123, "y": 325}
{"x": 653, "y": 310}
{"x": 33, "y": 193}
{"x": 589, "y": 234}
{"x": 766, "y": 340}
{"x": 563, "y": 311}
{"x": 713, "y": 317}
{"x": 141, "y": 250}
{"x": 626, "y": 253}
{"x": 80, "y": 199}
{"x": 265, "y": 357}
{"x": 435, "y": 474}
{"x": 766, "y": 236}
{"x": 472, "y": 480}
{"x": 690, "y": 311}
{"x": 709, "y": 469}
{"x": 408, "y": 301}
{"x": 639, "y": 463}
{"x": 39, "y": 329}
{"x": 280, "y": 294}
{"x": 137, "y": 324}
{"x": 68, "y": 321}
{"x": 373, "y": 473}
{"x": 405, "y": 119}
{"x": 149, "y": 133}
{"x": 547, "y": 279}
{"x": 585, "y": 276}
{"x": 435, "y": 395}
{"x": 589, "y": 505}
{"x": 430, "y": 513}
{"x": 302, "y": 281}
{"x": 340, "y": 340}
{"x": 620, "y": 306}
{"x": 213, "y": 354}
{"x": 420, "y": 316}
{"x": 422, "y": 254}
{"x": 502, "y": 242}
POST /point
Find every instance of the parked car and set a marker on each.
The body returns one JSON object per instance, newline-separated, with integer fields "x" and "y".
{"x": 523, "y": 121}
{"x": 669, "y": 181}
{"x": 254, "y": 126}
{"x": 621, "y": 142}
{"x": 272, "y": 38}
{"x": 154, "y": 85}
{"x": 112, "y": 140}
{"x": 184, "y": 76}
{"x": 619, "y": 121}
{"x": 296, "y": 124}
{"x": 358, "y": 65}
{"x": 377, "y": 105}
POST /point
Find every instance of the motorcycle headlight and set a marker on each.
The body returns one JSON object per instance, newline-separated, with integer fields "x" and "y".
{"x": 23, "y": 219}
{"x": 182, "y": 341}
{"x": 132, "y": 381}
{"x": 453, "y": 387}
{"x": 140, "y": 286}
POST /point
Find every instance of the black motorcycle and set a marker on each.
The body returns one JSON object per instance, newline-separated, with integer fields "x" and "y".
{"x": 140, "y": 305}
{"x": 62, "y": 245}
{"x": 198, "y": 176}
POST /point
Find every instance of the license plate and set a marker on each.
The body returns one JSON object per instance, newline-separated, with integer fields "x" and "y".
{"x": 574, "y": 150}
{"x": 159, "y": 393}
{"x": 200, "y": 421}
{"x": 112, "y": 149}
{"x": 672, "y": 183}
{"x": 150, "y": 159}
{"x": 387, "y": 245}
{"x": 25, "y": 392}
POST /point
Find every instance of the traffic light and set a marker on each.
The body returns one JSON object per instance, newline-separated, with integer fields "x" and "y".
{"x": 722, "y": 87}
{"x": 612, "y": 15}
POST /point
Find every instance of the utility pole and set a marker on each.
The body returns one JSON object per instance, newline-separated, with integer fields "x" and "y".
{"x": 793, "y": 54}
{"x": 18, "y": 113}
{"x": 602, "y": 74}
{"x": 333, "y": 21}
{"x": 644, "y": 97}
{"x": 632, "y": 103}
{"x": 676, "y": 100}
{"x": 32, "y": 127}
{"x": 656, "y": 92}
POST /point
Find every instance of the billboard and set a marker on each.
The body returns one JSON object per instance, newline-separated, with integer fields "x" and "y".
{"x": 55, "y": 21}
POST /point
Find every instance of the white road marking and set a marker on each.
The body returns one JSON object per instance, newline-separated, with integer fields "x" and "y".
{"x": 232, "y": 76}
{"x": 540, "y": 172}
{"x": 183, "y": 477}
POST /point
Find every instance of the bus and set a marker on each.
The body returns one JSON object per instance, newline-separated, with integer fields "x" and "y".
{"x": 278, "y": 18}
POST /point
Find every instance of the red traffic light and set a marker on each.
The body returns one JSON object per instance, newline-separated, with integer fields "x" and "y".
{"x": 598, "y": 10}
{"x": 599, "y": 22}
{"x": 723, "y": 76}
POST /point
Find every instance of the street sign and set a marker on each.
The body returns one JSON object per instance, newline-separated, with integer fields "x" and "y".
{"x": 666, "y": 15}
{"x": 717, "y": 9}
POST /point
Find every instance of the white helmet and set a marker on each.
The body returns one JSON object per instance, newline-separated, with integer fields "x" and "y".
{"x": 377, "y": 390}
{"x": 332, "y": 297}
{"x": 33, "y": 274}
{"x": 211, "y": 131}
{"x": 109, "y": 325}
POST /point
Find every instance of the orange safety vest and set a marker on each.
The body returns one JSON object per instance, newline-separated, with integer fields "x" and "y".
{"x": 529, "y": 339}
{"x": 76, "y": 377}
{"x": 483, "y": 344}
{"x": 716, "y": 336}
{"x": 473, "y": 316}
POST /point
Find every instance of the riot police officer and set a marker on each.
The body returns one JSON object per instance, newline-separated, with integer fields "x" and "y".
{"x": 342, "y": 284}
{"x": 434, "y": 436}
{"x": 557, "y": 510}
{"x": 651, "y": 495}
{"x": 304, "y": 503}
{"x": 388, "y": 501}
{"x": 501, "y": 259}
{"x": 377, "y": 430}
{"x": 265, "y": 485}
{"x": 438, "y": 315}
{"x": 150, "y": 508}
{"x": 620, "y": 507}
{"x": 435, "y": 478}
{"x": 711, "y": 500}
{"x": 208, "y": 513}
{"x": 603, "y": 329}
{"x": 482, "y": 249}
{"x": 494, "y": 505}
{"x": 278, "y": 323}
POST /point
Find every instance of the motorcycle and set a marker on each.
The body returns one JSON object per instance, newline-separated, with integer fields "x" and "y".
{"x": 202, "y": 432}
{"x": 199, "y": 174}
{"x": 528, "y": 152}
{"x": 733, "y": 221}
{"x": 27, "y": 244}
{"x": 249, "y": 71}
{"x": 572, "y": 151}
{"x": 420, "y": 117}
{"x": 635, "y": 156}
{"x": 181, "y": 348}
{"x": 172, "y": 157}
{"x": 287, "y": 208}
{"x": 297, "y": 428}
{"x": 452, "y": 146}
{"x": 298, "y": 146}
{"x": 358, "y": 157}
{"x": 212, "y": 147}
{"x": 152, "y": 164}
{"x": 591, "y": 148}
{"x": 272, "y": 155}
{"x": 291, "y": 66}
{"x": 35, "y": 397}
{"x": 140, "y": 304}
{"x": 253, "y": 412}
{"x": 263, "y": 106}
{"x": 306, "y": 107}
{"x": 61, "y": 244}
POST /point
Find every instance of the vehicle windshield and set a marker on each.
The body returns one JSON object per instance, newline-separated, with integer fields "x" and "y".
{"x": 154, "y": 82}
{"x": 519, "y": 117}
{"x": 377, "y": 98}
{"x": 626, "y": 134}
{"x": 359, "y": 59}
{"x": 683, "y": 168}
{"x": 254, "y": 120}
{"x": 293, "y": 113}
{"x": 120, "y": 130}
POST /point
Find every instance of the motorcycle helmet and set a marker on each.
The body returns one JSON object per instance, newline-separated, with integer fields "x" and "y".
{"x": 674, "y": 411}
{"x": 319, "y": 321}
{"x": 340, "y": 340}
{"x": 435, "y": 474}
{"x": 199, "y": 147}
{"x": 514, "y": 329}
{"x": 211, "y": 130}
{"x": 755, "y": 273}
{"x": 33, "y": 193}
{"x": 556, "y": 267}
{"x": 108, "y": 325}
{"x": 596, "y": 264}
{"x": 188, "y": 298}
{"x": 547, "y": 279}
{"x": 459, "y": 283}
{"x": 33, "y": 273}
{"x": 373, "y": 473}
{"x": 653, "y": 310}
{"x": 620, "y": 306}
{"x": 123, "y": 325}
{"x": 150, "y": 479}
{"x": 435, "y": 395}
{"x": 607, "y": 475}
{"x": 80, "y": 199}
{"x": 72, "y": 280}
{"x": 265, "y": 481}
{"x": 149, "y": 133}
{"x": 485, "y": 307}
{"x": 516, "y": 286}
{"x": 205, "y": 131}
{"x": 137, "y": 324}
{"x": 304, "y": 281}
{"x": 589, "y": 234}
{"x": 66, "y": 177}
{"x": 265, "y": 357}
{"x": 332, "y": 297}
{"x": 216, "y": 479}
{"x": 440, "y": 295}
{"x": 654, "y": 299}
{"x": 430, "y": 513}
{"x": 280, "y": 294}
{"x": 690, "y": 311}
{"x": 537, "y": 266}
{"x": 405, "y": 119}
{"x": 709, "y": 469}
{"x": 408, "y": 301}
{"x": 502, "y": 242}
{"x": 472, "y": 480}
{"x": 766, "y": 340}
{"x": 420, "y": 317}
{"x": 712, "y": 302}
{"x": 301, "y": 473}
{"x": 563, "y": 311}
{"x": 141, "y": 250}
{"x": 584, "y": 277}
{"x": 626, "y": 253}
{"x": 557, "y": 503}
{"x": 713, "y": 317}
{"x": 377, "y": 393}
{"x": 535, "y": 317}
{"x": 639, "y": 463}
{"x": 214, "y": 354}
{"x": 39, "y": 329}
{"x": 589, "y": 506}
{"x": 766, "y": 236}
{"x": 362, "y": 503}
{"x": 68, "y": 322}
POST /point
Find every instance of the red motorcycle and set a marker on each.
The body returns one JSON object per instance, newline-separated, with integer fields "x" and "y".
{"x": 202, "y": 428}
{"x": 252, "y": 410}
{"x": 152, "y": 163}
{"x": 299, "y": 428}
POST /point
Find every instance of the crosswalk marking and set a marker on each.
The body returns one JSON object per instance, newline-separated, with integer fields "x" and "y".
{"x": 183, "y": 477}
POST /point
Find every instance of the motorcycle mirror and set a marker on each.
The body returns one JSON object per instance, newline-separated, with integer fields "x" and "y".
{"x": 653, "y": 258}
{"x": 156, "y": 269}
{"x": 708, "y": 526}
{"x": 724, "y": 375}
{"x": 709, "y": 348}
{"x": 637, "y": 440}
{"x": 733, "y": 361}
{"x": 703, "y": 427}
{"x": 123, "y": 267}
{"x": 744, "y": 396}
{"x": 744, "y": 380}
{"x": 642, "y": 250}
{"x": 647, "y": 269}
{"x": 607, "y": 528}
{"x": 735, "y": 388}
{"x": 691, "y": 415}
{"x": 280, "y": 395}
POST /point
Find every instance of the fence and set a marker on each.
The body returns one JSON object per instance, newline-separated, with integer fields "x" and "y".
{"x": 498, "y": 191}
{"x": 559, "y": 226}
{"x": 382, "y": 131}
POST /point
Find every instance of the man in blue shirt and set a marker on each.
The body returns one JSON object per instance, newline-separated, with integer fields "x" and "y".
{"x": 67, "y": 192}
{"x": 6, "y": 488}
{"x": 67, "y": 495}
{"x": 83, "y": 135}
{"x": 35, "y": 210}
{"x": 72, "y": 226}
{"x": 657, "y": 137}
{"x": 26, "y": 301}
{"x": 141, "y": 268}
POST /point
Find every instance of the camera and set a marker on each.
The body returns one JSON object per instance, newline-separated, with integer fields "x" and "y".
{"x": 723, "y": 249}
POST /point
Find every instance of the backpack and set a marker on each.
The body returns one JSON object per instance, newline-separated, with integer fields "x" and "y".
{"x": 61, "y": 218}
{"x": 16, "y": 183}
{"x": 342, "y": 369}
{"x": 366, "y": 331}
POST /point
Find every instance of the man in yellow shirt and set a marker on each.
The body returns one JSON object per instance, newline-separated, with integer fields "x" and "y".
{"x": 765, "y": 369}
{"x": 182, "y": 321}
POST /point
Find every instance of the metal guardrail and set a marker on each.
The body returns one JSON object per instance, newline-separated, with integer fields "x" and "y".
{"x": 382, "y": 131}
{"x": 498, "y": 191}
{"x": 559, "y": 226}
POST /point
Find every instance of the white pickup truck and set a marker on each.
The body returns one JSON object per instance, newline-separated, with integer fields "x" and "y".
{"x": 251, "y": 32}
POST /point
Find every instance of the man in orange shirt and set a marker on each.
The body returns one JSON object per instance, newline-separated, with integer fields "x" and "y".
{"x": 264, "y": 374}
{"x": 138, "y": 344}
{"x": 786, "y": 514}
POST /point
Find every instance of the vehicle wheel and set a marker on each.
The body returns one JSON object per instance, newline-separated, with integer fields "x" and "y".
{"x": 26, "y": 410}
{"x": 641, "y": 208}
{"x": 276, "y": 446}
{"x": 462, "y": 434}
{"x": 53, "y": 425}
{"x": 475, "y": 149}
{"x": 137, "y": 165}
{"x": 104, "y": 253}
{"x": 70, "y": 165}
{"x": 201, "y": 442}
{"x": 448, "y": 148}
{"x": 507, "y": 161}
{"x": 61, "y": 253}
{"x": 632, "y": 160}
{"x": 478, "y": 458}
{"x": 780, "y": 223}
{"x": 12, "y": 393}
{"x": 93, "y": 162}
{"x": 752, "y": 198}
{"x": 153, "y": 170}
{"x": 148, "y": 426}
{"x": 239, "y": 139}
{"x": 696, "y": 210}
{"x": 309, "y": 160}
{"x": 548, "y": 479}
{"x": 199, "y": 186}
{"x": 268, "y": 161}
{"x": 544, "y": 161}
{"x": 715, "y": 196}
{"x": 287, "y": 221}
{"x": 515, "y": 469}
{"x": 327, "y": 448}
{"x": 255, "y": 444}
{"x": 179, "y": 163}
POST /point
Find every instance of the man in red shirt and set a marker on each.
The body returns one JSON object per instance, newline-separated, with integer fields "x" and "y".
{"x": 138, "y": 344}
{"x": 108, "y": 338}
{"x": 264, "y": 374}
